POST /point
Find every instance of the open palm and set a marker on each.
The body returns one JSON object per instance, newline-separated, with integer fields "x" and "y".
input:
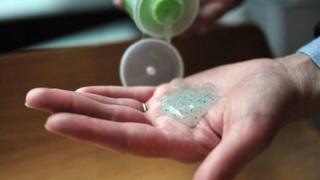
{"x": 255, "y": 99}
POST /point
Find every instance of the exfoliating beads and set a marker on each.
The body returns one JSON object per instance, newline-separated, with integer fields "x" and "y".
{"x": 188, "y": 105}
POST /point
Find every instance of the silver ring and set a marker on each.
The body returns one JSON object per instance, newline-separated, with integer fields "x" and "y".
{"x": 145, "y": 107}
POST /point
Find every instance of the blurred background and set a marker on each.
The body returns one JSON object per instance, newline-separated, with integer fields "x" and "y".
{"x": 39, "y": 24}
{"x": 37, "y": 40}
{"x": 35, "y": 24}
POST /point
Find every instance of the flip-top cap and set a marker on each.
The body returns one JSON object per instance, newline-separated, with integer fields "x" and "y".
{"x": 150, "y": 62}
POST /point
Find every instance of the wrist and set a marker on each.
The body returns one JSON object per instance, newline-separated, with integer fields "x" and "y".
{"x": 306, "y": 75}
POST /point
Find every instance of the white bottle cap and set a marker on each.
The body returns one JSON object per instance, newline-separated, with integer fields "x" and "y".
{"x": 150, "y": 62}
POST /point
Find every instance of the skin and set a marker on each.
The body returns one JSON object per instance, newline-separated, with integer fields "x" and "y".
{"x": 258, "y": 97}
{"x": 210, "y": 11}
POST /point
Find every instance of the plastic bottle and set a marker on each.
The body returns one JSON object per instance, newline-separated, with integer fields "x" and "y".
{"x": 152, "y": 61}
{"x": 155, "y": 17}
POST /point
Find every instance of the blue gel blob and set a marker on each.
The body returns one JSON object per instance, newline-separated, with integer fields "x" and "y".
{"x": 189, "y": 105}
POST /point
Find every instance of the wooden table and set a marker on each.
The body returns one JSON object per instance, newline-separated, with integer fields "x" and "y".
{"x": 28, "y": 152}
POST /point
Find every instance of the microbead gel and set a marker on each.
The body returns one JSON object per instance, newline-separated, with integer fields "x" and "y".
{"x": 189, "y": 105}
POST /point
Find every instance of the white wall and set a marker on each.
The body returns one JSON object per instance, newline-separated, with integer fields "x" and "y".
{"x": 288, "y": 24}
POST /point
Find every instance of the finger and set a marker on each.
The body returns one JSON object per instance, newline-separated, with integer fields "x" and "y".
{"x": 214, "y": 9}
{"x": 118, "y": 3}
{"x": 133, "y": 138}
{"x": 233, "y": 153}
{"x": 119, "y": 101}
{"x": 204, "y": 2}
{"x": 54, "y": 100}
{"x": 142, "y": 94}
{"x": 208, "y": 14}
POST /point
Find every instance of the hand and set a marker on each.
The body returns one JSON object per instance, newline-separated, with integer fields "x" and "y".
{"x": 210, "y": 11}
{"x": 257, "y": 98}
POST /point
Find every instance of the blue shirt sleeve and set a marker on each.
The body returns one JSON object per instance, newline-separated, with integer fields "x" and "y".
{"x": 312, "y": 50}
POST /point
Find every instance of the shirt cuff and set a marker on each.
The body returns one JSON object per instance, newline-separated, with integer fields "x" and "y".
{"x": 312, "y": 50}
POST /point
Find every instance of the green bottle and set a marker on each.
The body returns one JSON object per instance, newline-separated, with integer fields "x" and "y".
{"x": 162, "y": 18}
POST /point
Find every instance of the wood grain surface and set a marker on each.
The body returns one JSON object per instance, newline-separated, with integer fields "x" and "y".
{"x": 28, "y": 152}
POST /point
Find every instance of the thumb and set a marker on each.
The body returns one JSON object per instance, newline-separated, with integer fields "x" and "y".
{"x": 235, "y": 150}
